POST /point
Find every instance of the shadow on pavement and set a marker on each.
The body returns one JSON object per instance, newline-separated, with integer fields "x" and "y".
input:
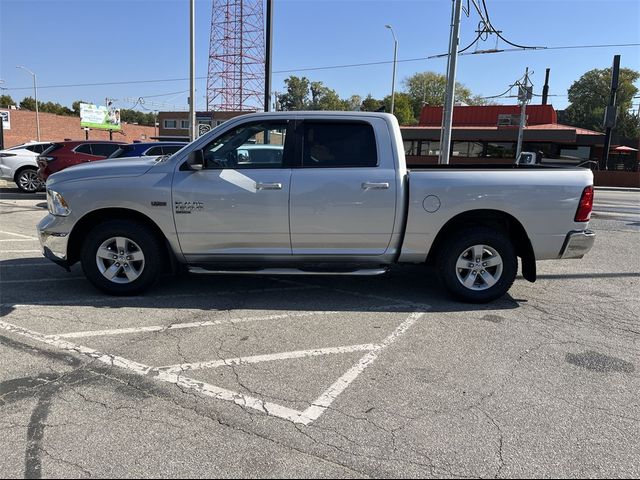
{"x": 17, "y": 194}
{"x": 405, "y": 289}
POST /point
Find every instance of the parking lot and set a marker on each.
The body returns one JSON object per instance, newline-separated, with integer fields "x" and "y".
{"x": 250, "y": 376}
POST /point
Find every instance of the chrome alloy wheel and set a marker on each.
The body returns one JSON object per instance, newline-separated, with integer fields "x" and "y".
{"x": 29, "y": 181}
{"x": 479, "y": 267}
{"x": 120, "y": 260}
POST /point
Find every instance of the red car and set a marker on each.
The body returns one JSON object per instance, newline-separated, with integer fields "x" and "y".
{"x": 61, "y": 155}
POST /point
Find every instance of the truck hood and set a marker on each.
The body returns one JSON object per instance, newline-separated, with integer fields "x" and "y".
{"x": 110, "y": 168}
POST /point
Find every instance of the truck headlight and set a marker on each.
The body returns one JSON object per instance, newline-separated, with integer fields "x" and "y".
{"x": 57, "y": 204}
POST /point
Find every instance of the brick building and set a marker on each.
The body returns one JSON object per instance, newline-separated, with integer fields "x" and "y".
{"x": 486, "y": 132}
{"x": 58, "y": 127}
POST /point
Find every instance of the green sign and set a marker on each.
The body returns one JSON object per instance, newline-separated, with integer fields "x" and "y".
{"x": 99, "y": 117}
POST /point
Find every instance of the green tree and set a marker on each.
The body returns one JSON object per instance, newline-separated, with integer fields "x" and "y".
{"x": 6, "y": 101}
{"x": 429, "y": 88}
{"x": 28, "y": 103}
{"x": 297, "y": 95}
{"x": 402, "y": 108}
{"x": 323, "y": 98}
{"x": 352, "y": 103}
{"x": 51, "y": 107}
{"x": 589, "y": 95}
{"x": 135, "y": 116}
{"x": 370, "y": 104}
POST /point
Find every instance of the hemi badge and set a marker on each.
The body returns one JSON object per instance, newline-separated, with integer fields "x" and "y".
{"x": 158, "y": 204}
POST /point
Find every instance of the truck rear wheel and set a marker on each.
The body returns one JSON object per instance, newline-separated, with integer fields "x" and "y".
{"x": 478, "y": 265}
{"x": 121, "y": 257}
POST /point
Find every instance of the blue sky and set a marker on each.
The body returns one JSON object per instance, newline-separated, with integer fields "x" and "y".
{"x": 94, "y": 41}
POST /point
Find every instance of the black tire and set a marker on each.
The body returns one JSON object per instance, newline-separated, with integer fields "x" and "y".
{"x": 464, "y": 240}
{"x": 141, "y": 238}
{"x": 27, "y": 180}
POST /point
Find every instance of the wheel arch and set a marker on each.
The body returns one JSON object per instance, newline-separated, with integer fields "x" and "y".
{"x": 94, "y": 218}
{"x": 495, "y": 219}
{"x": 22, "y": 168}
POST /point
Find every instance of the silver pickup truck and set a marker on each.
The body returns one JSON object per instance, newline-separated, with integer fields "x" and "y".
{"x": 312, "y": 193}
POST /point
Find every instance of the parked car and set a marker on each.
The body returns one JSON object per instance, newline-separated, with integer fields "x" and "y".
{"x": 147, "y": 149}
{"x": 19, "y": 165}
{"x": 340, "y": 201}
{"x": 260, "y": 154}
{"x": 61, "y": 155}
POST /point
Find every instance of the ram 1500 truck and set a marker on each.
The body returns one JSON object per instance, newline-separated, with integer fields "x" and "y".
{"x": 312, "y": 193}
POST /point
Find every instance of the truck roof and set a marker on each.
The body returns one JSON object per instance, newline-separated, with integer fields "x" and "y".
{"x": 317, "y": 113}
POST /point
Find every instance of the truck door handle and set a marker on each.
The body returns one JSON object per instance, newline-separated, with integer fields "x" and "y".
{"x": 268, "y": 186}
{"x": 375, "y": 186}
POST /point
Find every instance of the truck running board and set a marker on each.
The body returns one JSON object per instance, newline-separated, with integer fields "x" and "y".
{"x": 289, "y": 271}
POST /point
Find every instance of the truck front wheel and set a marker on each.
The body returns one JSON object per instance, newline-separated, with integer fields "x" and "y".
{"x": 478, "y": 265}
{"x": 121, "y": 257}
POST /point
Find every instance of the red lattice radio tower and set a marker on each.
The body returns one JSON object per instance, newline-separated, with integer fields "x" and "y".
{"x": 235, "y": 81}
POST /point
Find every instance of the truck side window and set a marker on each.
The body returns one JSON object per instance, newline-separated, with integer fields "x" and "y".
{"x": 256, "y": 145}
{"x": 338, "y": 144}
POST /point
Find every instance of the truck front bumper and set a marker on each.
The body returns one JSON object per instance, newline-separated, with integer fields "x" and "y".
{"x": 578, "y": 243}
{"x": 54, "y": 242}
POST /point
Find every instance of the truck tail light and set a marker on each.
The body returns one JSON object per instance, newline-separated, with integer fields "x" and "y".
{"x": 583, "y": 214}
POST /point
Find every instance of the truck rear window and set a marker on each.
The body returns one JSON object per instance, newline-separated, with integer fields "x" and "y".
{"x": 338, "y": 144}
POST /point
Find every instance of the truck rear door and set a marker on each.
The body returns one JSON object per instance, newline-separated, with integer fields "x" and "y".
{"x": 343, "y": 195}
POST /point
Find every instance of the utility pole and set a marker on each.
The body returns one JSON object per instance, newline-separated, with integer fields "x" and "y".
{"x": 524, "y": 95}
{"x": 611, "y": 112}
{"x": 192, "y": 70}
{"x": 447, "y": 113}
{"x": 545, "y": 89}
{"x": 268, "y": 52}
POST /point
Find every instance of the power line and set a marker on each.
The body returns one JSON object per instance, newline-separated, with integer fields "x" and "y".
{"x": 327, "y": 67}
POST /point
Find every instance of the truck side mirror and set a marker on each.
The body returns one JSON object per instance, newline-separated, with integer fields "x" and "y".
{"x": 195, "y": 160}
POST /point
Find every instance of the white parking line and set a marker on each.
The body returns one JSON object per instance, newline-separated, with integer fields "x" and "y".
{"x": 18, "y": 240}
{"x": 20, "y": 251}
{"x": 18, "y": 235}
{"x": 145, "y": 370}
{"x": 185, "y": 367}
{"x": 208, "y": 323}
{"x": 113, "y": 360}
{"x": 317, "y": 408}
{"x": 328, "y": 397}
{"x": 35, "y": 264}
{"x": 179, "y": 326}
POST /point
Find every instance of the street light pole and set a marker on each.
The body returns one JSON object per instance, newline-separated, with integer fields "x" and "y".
{"x": 35, "y": 95}
{"x": 192, "y": 71}
{"x": 447, "y": 113}
{"x": 395, "y": 61}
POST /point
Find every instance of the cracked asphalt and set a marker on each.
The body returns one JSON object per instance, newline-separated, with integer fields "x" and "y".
{"x": 222, "y": 376}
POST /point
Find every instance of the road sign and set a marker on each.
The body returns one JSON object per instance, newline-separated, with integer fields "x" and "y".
{"x": 6, "y": 119}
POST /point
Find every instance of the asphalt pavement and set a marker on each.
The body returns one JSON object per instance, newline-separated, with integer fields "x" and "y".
{"x": 340, "y": 377}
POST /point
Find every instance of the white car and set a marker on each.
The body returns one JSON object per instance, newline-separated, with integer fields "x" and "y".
{"x": 19, "y": 165}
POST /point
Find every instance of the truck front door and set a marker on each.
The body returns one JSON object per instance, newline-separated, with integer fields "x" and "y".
{"x": 238, "y": 204}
